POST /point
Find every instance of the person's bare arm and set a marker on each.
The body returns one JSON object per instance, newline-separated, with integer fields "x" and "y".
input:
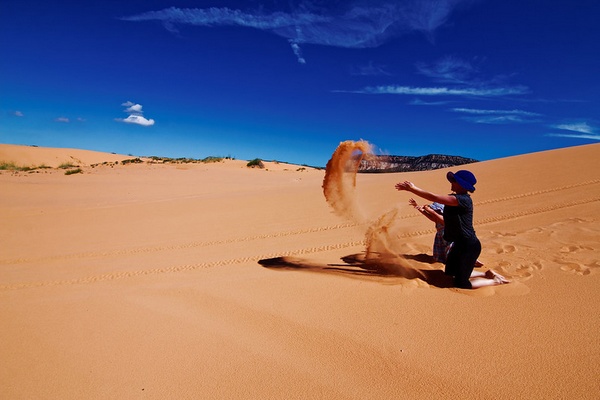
{"x": 438, "y": 198}
{"x": 425, "y": 210}
{"x": 433, "y": 215}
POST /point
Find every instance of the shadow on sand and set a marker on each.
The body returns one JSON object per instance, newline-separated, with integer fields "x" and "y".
{"x": 357, "y": 266}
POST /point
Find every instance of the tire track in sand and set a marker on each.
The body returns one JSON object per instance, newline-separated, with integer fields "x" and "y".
{"x": 190, "y": 245}
{"x": 182, "y": 246}
{"x": 111, "y": 276}
{"x": 309, "y": 250}
{"x": 513, "y": 215}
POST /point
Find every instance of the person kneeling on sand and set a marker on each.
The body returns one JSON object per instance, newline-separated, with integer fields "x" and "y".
{"x": 434, "y": 212}
{"x": 458, "y": 230}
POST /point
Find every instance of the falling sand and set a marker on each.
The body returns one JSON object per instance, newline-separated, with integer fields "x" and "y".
{"x": 339, "y": 183}
{"x": 339, "y": 188}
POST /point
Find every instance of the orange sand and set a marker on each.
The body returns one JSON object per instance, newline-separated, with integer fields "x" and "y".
{"x": 217, "y": 281}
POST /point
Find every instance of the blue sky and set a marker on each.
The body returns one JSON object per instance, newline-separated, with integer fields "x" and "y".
{"x": 289, "y": 80}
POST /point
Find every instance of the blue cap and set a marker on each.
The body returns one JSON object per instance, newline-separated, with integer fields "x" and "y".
{"x": 464, "y": 178}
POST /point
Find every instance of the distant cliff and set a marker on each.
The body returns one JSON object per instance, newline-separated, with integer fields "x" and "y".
{"x": 377, "y": 164}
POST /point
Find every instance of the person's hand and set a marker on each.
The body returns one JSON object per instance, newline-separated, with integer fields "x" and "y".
{"x": 406, "y": 185}
{"x": 413, "y": 203}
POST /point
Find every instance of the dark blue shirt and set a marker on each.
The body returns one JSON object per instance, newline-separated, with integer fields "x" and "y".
{"x": 458, "y": 220}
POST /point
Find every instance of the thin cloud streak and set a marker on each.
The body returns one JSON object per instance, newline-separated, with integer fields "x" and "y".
{"x": 355, "y": 27}
{"x": 583, "y": 131}
{"x": 419, "y": 102}
{"x": 480, "y": 116}
{"x": 581, "y": 127}
{"x": 575, "y": 136}
{"x": 370, "y": 69}
{"x": 492, "y": 112}
{"x": 444, "y": 91}
{"x": 449, "y": 70}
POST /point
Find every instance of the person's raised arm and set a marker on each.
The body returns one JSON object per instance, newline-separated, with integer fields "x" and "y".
{"x": 447, "y": 200}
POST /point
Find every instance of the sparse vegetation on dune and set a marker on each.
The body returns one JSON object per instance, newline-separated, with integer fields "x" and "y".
{"x": 72, "y": 168}
{"x": 11, "y": 166}
{"x": 185, "y": 160}
{"x": 136, "y": 160}
{"x": 256, "y": 163}
{"x": 74, "y": 171}
{"x": 67, "y": 165}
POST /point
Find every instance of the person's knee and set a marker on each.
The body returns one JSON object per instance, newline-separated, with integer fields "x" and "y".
{"x": 462, "y": 283}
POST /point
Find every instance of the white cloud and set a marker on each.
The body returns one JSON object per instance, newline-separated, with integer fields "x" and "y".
{"x": 498, "y": 119}
{"x": 575, "y": 136}
{"x": 137, "y": 119}
{"x": 62, "y": 119}
{"x": 444, "y": 91}
{"x": 497, "y": 116}
{"x": 583, "y": 131}
{"x": 18, "y": 114}
{"x": 298, "y": 52}
{"x": 133, "y": 108}
{"x": 135, "y": 115}
{"x": 353, "y": 24}
{"x": 502, "y": 112}
{"x": 581, "y": 127}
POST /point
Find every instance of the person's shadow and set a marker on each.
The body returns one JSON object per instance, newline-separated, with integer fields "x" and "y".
{"x": 357, "y": 265}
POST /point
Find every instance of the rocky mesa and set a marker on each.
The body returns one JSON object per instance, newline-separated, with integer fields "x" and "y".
{"x": 381, "y": 163}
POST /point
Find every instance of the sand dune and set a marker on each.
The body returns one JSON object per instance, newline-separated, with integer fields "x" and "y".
{"x": 31, "y": 156}
{"x": 221, "y": 281}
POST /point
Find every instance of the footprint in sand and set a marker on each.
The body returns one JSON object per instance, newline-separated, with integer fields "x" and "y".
{"x": 537, "y": 265}
{"x": 574, "y": 248}
{"x": 575, "y": 268}
{"x": 506, "y": 249}
{"x": 525, "y": 271}
{"x": 503, "y": 234}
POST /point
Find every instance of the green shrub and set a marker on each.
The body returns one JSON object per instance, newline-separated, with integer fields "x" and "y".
{"x": 257, "y": 162}
{"x": 66, "y": 165}
{"x": 74, "y": 171}
{"x": 11, "y": 166}
{"x": 132, "y": 161}
{"x": 212, "y": 159}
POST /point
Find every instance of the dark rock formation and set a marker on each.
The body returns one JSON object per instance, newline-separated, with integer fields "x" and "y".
{"x": 377, "y": 164}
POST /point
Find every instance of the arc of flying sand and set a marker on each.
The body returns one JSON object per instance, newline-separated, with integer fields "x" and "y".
{"x": 339, "y": 182}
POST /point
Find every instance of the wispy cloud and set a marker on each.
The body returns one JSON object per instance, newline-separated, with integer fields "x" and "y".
{"x": 135, "y": 115}
{"x": 450, "y": 69}
{"x": 498, "y": 116}
{"x": 370, "y": 69}
{"x": 575, "y": 136}
{"x": 503, "y": 112}
{"x": 354, "y": 24}
{"x": 419, "y": 102}
{"x": 581, "y": 127}
{"x": 18, "y": 114}
{"x": 458, "y": 77}
{"x": 64, "y": 120}
{"x": 577, "y": 130}
{"x": 444, "y": 91}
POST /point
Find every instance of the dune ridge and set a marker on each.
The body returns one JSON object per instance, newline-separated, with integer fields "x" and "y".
{"x": 221, "y": 281}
